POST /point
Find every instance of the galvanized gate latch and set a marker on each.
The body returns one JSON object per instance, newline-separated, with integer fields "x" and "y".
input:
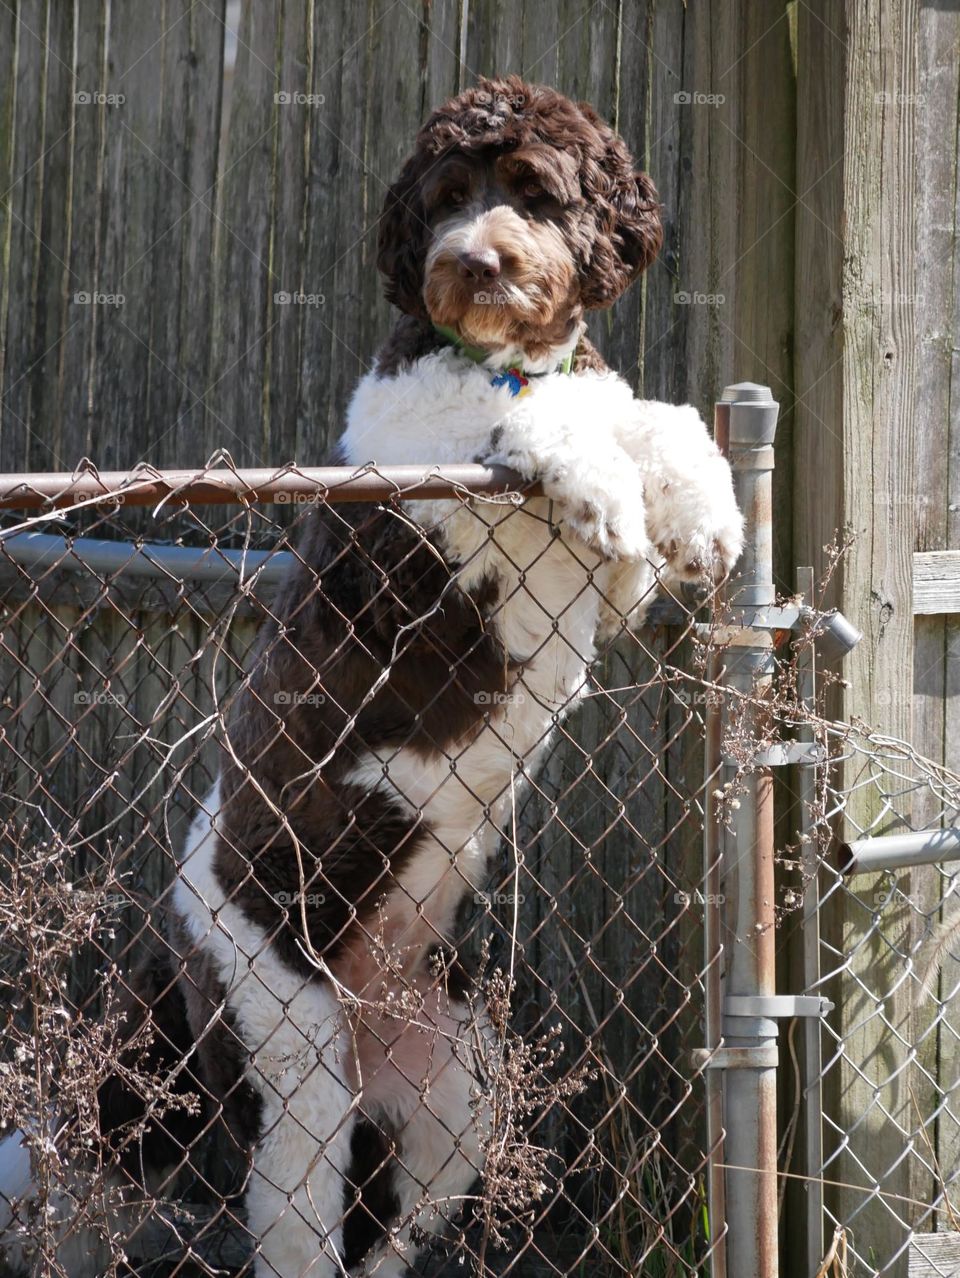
{"x": 753, "y": 1017}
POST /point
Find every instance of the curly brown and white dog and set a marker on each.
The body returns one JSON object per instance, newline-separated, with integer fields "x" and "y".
{"x": 421, "y": 658}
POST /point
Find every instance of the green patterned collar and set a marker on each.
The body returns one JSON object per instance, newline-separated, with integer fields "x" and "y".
{"x": 478, "y": 356}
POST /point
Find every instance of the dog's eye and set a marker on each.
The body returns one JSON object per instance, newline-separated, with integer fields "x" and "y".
{"x": 455, "y": 197}
{"x": 531, "y": 190}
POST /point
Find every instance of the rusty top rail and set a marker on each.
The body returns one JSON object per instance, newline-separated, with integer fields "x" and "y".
{"x": 146, "y": 486}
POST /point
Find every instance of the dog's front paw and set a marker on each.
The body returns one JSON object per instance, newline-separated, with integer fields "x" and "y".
{"x": 607, "y": 517}
{"x": 599, "y": 501}
{"x": 708, "y": 554}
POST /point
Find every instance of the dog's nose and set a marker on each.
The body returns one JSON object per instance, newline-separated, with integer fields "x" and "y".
{"x": 484, "y": 265}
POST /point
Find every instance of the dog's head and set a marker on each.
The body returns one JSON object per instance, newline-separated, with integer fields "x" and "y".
{"x": 517, "y": 211}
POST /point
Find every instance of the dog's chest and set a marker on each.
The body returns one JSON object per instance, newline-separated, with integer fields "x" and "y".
{"x": 547, "y": 602}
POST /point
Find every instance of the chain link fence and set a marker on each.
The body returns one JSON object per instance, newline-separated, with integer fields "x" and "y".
{"x": 128, "y": 660}
{"x": 596, "y": 995}
{"x": 884, "y": 922}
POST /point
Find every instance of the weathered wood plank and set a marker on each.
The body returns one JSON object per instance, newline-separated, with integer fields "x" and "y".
{"x": 626, "y": 104}
{"x": 818, "y": 415}
{"x": 23, "y": 201}
{"x": 341, "y": 235}
{"x": 244, "y": 280}
{"x": 76, "y": 424}
{"x": 936, "y": 577}
{"x": 182, "y": 330}
{"x": 662, "y": 366}
{"x": 935, "y": 675}
{"x": 124, "y": 369}
{"x": 289, "y": 319}
{"x": 397, "y": 45}
{"x": 709, "y": 201}
{"x": 9, "y": 43}
{"x": 494, "y": 44}
{"x": 934, "y": 1256}
{"x": 855, "y": 432}
{"x": 53, "y": 280}
{"x": 938, "y": 323}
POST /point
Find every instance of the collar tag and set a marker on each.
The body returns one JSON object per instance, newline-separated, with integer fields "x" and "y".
{"x": 514, "y": 380}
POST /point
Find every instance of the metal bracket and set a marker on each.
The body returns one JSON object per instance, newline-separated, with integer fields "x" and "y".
{"x": 764, "y": 1057}
{"x": 753, "y": 1007}
{"x": 776, "y": 1007}
{"x": 835, "y": 635}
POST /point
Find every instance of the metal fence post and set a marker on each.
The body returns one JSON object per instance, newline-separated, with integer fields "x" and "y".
{"x": 746, "y": 855}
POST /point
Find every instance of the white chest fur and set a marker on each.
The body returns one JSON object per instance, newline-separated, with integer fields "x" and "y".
{"x": 445, "y": 409}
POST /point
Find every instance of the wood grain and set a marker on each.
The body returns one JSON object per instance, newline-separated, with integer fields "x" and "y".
{"x": 936, "y": 575}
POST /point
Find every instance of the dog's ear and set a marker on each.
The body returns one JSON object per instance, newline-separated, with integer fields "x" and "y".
{"x": 401, "y": 241}
{"x": 627, "y": 230}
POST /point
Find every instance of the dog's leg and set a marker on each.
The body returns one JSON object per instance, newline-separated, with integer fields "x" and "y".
{"x": 295, "y": 1199}
{"x": 428, "y": 1092}
{"x": 691, "y": 512}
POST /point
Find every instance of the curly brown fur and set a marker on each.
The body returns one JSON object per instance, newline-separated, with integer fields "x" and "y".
{"x": 525, "y": 199}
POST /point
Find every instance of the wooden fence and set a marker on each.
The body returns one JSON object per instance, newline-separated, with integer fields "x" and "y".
{"x": 805, "y": 156}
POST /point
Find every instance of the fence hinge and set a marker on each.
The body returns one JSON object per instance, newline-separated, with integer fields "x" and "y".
{"x": 752, "y": 1010}
{"x": 765, "y": 1056}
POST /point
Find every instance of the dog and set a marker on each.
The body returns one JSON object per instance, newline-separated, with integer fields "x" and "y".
{"x": 421, "y": 657}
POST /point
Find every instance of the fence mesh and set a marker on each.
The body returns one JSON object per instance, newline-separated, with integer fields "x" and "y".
{"x": 526, "y": 1018}
{"x": 888, "y": 958}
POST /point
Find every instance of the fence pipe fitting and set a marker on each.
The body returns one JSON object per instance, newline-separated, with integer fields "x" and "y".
{"x": 900, "y": 851}
{"x": 746, "y": 841}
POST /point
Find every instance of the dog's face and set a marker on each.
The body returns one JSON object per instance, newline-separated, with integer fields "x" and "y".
{"x": 518, "y": 210}
{"x": 499, "y": 260}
